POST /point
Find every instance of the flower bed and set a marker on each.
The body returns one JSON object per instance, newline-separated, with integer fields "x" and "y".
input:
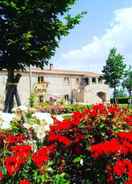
{"x": 60, "y": 108}
{"x": 91, "y": 147}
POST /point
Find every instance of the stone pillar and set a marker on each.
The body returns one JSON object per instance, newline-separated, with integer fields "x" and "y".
{"x": 90, "y": 80}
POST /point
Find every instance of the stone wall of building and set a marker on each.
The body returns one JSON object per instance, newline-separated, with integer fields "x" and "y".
{"x": 91, "y": 93}
{"x": 76, "y": 86}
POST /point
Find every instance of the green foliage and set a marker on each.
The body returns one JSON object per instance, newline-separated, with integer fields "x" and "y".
{"x": 127, "y": 82}
{"x": 122, "y": 100}
{"x": 114, "y": 69}
{"x": 30, "y": 30}
{"x": 75, "y": 107}
{"x": 61, "y": 108}
{"x": 120, "y": 93}
{"x": 32, "y": 100}
{"x": 60, "y": 179}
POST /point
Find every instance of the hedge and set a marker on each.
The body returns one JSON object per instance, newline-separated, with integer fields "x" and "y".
{"x": 121, "y": 100}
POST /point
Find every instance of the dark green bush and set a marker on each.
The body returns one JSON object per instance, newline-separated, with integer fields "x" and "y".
{"x": 121, "y": 100}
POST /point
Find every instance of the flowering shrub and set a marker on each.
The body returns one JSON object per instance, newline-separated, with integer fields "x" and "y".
{"x": 92, "y": 147}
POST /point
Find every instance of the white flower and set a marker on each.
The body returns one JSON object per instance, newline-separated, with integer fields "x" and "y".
{"x": 41, "y": 135}
{"x": 20, "y": 108}
{"x": 40, "y": 132}
{"x": 6, "y": 119}
{"x": 59, "y": 117}
{"x": 43, "y": 116}
{"x": 27, "y": 125}
{"x": 81, "y": 162}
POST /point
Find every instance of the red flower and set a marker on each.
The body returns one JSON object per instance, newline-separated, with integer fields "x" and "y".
{"x": 1, "y": 175}
{"x": 76, "y": 118}
{"x": 110, "y": 179}
{"x": 120, "y": 168}
{"x": 124, "y": 167}
{"x": 93, "y": 113}
{"x": 51, "y": 148}
{"x": 22, "y": 151}
{"x": 125, "y": 136}
{"x": 130, "y": 123}
{"x": 41, "y": 156}
{"x": 59, "y": 138}
{"x": 100, "y": 109}
{"x": 105, "y": 148}
{"x": 114, "y": 109}
{"x": 13, "y": 164}
{"x": 122, "y": 146}
{"x": 24, "y": 181}
{"x": 63, "y": 125}
{"x": 12, "y": 139}
{"x": 129, "y": 181}
{"x": 128, "y": 119}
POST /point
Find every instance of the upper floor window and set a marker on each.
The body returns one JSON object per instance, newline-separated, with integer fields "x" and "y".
{"x": 86, "y": 81}
{"x": 93, "y": 80}
{"x": 77, "y": 80}
{"x": 67, "y": 80}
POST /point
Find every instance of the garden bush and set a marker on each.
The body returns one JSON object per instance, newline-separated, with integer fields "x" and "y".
{"x": 92, "y": 147}
{"x": 122, "y": 100}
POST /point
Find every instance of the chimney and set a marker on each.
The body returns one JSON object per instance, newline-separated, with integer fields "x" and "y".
{"x": 51, "y": 66}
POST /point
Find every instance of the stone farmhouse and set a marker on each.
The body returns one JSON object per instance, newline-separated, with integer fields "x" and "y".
{"x": 73, "y": 86}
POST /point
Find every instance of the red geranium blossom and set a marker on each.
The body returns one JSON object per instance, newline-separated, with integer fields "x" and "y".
{"x": 114, "y": 109}
{"x": 59, "y": 138}
{"x": 1, "y": 175}
{"x": 13, "y": 164}
{"x": 12, "y": 139}
{"x": 129, "y": 181}
{"x": 128, "y": 119}
{"x": 125, "y": 136}
{"x": 24, "y": 181}
{"x": 21, "y": 150}
{"x": 120, "y": 168}
{"x": 41, "y": 156}
{"x": 124, "y": 167}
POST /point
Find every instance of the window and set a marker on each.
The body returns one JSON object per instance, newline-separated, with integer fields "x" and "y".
{"x": 85, "y": 81}
{"x": 66, "y": 97}
{"x": 93, "y": 80}
{"x": 67, "y": 80}
{"x": 77, "y": 80}
{"x": 40, "y": 79}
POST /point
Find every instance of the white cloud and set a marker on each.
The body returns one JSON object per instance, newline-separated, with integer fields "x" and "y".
{"x": 92, "y": 56}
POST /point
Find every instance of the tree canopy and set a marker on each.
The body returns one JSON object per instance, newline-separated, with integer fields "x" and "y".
{"x": 30, "y": 30}
{"x": 114, "y": 69}
{"x": 127, "y": 82}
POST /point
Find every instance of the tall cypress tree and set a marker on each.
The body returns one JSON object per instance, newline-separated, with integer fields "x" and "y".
{"x": 114, "y": 69}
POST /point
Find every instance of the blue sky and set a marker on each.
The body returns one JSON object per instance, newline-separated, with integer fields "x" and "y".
{"x": 107, "y": 24}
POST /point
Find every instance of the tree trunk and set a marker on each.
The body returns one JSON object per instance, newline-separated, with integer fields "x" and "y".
{"x": 11, "y": 91}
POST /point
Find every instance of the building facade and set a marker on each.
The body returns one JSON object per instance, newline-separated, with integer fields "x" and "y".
{"x": 73, "y": 86}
